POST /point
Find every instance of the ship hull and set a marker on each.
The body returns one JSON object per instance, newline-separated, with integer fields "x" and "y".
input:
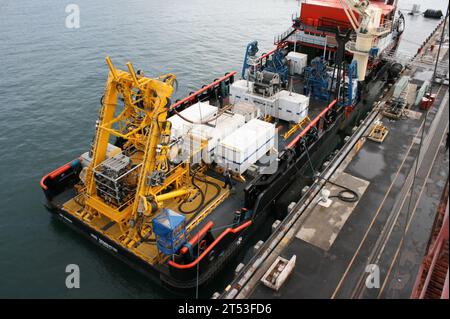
{"x": 264, "y": 209}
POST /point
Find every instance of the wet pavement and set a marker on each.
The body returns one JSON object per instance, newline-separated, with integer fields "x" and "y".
{"x": 387, "y": 227}
{"x": 340, "y": 271}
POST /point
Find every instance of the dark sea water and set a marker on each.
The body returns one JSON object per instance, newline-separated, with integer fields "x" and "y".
{"x": 51, "y": 80}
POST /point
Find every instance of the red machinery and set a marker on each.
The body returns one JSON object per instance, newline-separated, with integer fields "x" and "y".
{"x": 319, "y": 13}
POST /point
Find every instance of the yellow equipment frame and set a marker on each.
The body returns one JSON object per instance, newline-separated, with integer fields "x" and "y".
{"x": 378, "y": 133}
{"x": 142, "y": 123}
{"x": 296, "y": 127}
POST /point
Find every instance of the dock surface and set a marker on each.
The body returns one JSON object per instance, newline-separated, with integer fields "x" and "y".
{"x": 399, "y": 183}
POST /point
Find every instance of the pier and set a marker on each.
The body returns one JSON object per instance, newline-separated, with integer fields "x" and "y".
{"x": 371, "y": 247}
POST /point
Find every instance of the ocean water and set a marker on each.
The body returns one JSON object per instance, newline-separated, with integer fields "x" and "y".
{"x": 51, "y": 81}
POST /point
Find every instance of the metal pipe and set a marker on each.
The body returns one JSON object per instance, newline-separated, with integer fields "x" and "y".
{"x": 133, "y": 75}
{"x": 173, "y": 194}
{"x": 348, "y": 16}
{"x": 111, "y": 68}
{"x": 210, "y": 247}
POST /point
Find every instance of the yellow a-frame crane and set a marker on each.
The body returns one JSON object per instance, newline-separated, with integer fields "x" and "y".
{"x": 143, "y": 127}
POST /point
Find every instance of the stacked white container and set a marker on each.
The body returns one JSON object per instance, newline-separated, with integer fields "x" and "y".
{"x": 239, "y": 89}
{"x": 245, "y": 146}
{"x": 284, "y": 105}
{"x": 196, "y": 113}
{"x": 247, "y": 109}
{"x": 210, "y": 134}
{"x": 292, "y": 107}
{"x": 266, "y": 105}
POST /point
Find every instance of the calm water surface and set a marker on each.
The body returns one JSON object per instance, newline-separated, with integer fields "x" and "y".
{"x": 51, "y": 80}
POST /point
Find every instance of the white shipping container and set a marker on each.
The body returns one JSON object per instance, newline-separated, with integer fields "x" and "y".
{"x": 297, "y": 62}
{"x": 264, "y": 132}
{"x": 239, "y": 89}
{"x": 196, "y": 113}
{"x": 266, "y": 105}
{"x": 245, "y": 146}
{"x": 211, "y": 134}
{"x": 284, "y": 105}
{"x": 291, "y": 106}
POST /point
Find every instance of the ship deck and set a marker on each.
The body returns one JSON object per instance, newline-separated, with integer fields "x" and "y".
{"x": 386, "y": 227}
{"x": 334, "y": 245}
{"x": 221, "y": 209}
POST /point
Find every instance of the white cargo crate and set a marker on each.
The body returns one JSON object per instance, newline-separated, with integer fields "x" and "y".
{"x": 297, "y": 62}
{"x": 266, "y": 105}
{"x": 196, "y": 113}
{"x": 292, "y": 106}
{"x": 284, "y": 105}
{"x": 245, "y": 146}
{"x": 239, "y": 89}
{"x": 211, "y": 134}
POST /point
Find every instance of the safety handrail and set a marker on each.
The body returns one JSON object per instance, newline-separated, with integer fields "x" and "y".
{"x": 203, "y": 89}
{"x": 60, "y": 170}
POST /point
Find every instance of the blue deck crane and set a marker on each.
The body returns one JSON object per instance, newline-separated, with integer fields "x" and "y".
{"x": 274, "y": 62}
{"x": 250, "y": 51}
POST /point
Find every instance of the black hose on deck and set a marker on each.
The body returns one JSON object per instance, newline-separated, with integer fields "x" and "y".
{"x": 201, "y": 201}
{"x": 216, "y": 186}
{"x": 354, "y": 197}
{"x": 202, "y": 204}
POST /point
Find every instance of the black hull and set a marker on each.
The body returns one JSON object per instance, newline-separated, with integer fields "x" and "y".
{"x": 105, "y": 243}
{"x": 261, "y": 196}
{"x": 186, "y": 279}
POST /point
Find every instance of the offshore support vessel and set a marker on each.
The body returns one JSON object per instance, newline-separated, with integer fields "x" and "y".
{"x": 153, "y": 189}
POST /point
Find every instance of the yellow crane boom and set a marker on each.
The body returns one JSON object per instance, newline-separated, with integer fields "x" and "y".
{"x": 143, "y": 126}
